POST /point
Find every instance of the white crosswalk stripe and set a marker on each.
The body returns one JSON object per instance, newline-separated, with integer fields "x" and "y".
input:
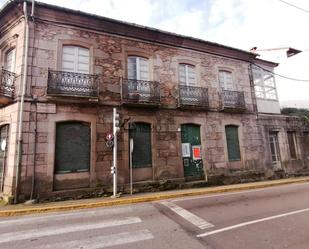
{"x": 103, "y": 241}
{"x": 64, "y": 216}
{"x": 56, "y": 230}
{"x": 188, "y": 216}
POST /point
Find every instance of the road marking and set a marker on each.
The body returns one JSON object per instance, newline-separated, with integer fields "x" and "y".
{"x": 64, "y": 216}
{"x": 237, "y": 193}
{"x": 252, "y": 222}
{"x": 56, "y": 230}
{"x": 188, "y": 216}
{"x": 103, "y": 241}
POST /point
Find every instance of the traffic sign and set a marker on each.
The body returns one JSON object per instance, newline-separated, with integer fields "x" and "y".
{"x": 109, "y": 137}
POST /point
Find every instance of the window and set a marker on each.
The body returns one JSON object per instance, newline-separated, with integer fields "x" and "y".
{"x": 72, "y": 147}
{"x": 9, "y": 63}
{"x": 231, "y": 132}
{"x": 187, "y": 75}
{"x": 264, "y": 84}
{"x": 274, "y": 146}
{"x": 3, "y": 151}
{"x": 226, "y": 80}
{"x": 292, "y": 144}
{"x": 141, "y": 156}
{"x": 75, "y": 59}
{"x": 138, "y": 68}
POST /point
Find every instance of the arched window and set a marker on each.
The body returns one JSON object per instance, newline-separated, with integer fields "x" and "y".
{"x": 9, "y": 61}
{"x": 141, "y": 135}
{"x": 187, "y": 75}
{"x": 72, "y": 147}
{"x": 232, "y": 140}
{"x": 138, "y": 68}
{"x": 226, "y": 80}
{"x": 75, "y": 59}
{"x": 3, "y": 151}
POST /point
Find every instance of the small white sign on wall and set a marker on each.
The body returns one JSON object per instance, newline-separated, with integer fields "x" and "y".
{"x": 186, "y": 149}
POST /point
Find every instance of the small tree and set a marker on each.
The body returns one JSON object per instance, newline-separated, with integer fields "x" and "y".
{"x": 300, "y": 112}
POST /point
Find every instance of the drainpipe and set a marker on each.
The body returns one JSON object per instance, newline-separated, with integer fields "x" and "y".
{"x": 21, "y": 105}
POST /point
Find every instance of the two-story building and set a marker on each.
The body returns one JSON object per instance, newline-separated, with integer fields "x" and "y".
{"x": 196, "y": 110}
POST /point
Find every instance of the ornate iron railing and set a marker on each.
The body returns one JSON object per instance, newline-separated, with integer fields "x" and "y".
{"x": 233, "y": 99}
{"x": 140, "y": 91}
{"x": 193, "y": 96}
{"x": 7, "y": 83}
{"x": 72, "y": 84}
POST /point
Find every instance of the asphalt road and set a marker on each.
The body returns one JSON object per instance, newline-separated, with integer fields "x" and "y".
{"x": 274, "y": 218}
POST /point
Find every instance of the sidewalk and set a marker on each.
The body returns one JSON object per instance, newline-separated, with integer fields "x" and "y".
{"x": 21, "y": 209}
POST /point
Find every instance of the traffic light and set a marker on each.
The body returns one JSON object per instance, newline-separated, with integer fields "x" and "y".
{"x": 113, "y": 170}
{"x": 116, "y": 121}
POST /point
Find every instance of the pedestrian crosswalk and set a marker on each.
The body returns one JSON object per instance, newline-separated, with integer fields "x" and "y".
{"x": 86, "y": 230}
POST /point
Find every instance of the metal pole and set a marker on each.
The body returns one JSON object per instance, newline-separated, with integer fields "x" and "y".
{"x": 131, "y": 169}
{"x": 115, "y": 154}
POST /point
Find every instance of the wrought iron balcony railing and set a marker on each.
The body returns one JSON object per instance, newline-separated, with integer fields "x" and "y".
{"x": 7, "y": 83}
{"x": 193, "y": 96}
{"x": 233, "y": 100}
{"x": 140, "y": 92}
{"x": 73, "y": 84}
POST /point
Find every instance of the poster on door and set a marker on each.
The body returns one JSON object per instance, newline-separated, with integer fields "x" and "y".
{"x": 197, "y": 152}
{"x": 186, "y": 149}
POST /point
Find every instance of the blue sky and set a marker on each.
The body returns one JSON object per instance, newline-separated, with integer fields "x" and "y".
{"x": 238, "y": 23}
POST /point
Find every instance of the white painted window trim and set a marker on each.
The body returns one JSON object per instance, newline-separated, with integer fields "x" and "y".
{"x": 186, "y": 66}
{"x": 263, "y": 86}
{"x": 138, "y": 66}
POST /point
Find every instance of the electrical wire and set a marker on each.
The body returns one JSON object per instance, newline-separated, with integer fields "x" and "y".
{"x": 307, "y": 11}
{"x": 280, "y": 75}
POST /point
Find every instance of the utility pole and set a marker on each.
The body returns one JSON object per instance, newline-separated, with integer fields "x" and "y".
{"x": 116, "y": 128}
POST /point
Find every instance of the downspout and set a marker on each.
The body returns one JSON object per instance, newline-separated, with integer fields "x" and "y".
{"x": 36, "y": 119}
{"x": 21, "y": 106}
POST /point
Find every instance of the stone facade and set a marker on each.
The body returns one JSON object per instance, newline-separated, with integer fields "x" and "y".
{"x": 109, "y": 50}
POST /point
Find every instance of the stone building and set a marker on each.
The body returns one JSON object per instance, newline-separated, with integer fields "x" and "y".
{"x": 196, "y": 110}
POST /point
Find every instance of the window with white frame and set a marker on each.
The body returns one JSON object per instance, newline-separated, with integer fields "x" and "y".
{"x": 75, "y": 59}
{"x": 226, "y": 80}
{"x": 138, "y": 68}
{"x": 264, "y": 84}
{"x": 9, "y": 61}
{"x": 187, "y": 75}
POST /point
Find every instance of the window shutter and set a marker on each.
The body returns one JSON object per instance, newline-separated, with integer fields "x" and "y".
{"x": 144, "y": 69}
{"x": 182, "y": 74}
{"x": 191, "y": 75}
{"x": 75, "y": 59}
{"x": 226, "y": 80}
{"x": 186, "y": 75}
{"x": 72, "y": 147}
{"x": 142, "y": 145}
{"x": 232, "y": 143}
{"x": 132, "y": 74}
{"x": 9, "y": 64}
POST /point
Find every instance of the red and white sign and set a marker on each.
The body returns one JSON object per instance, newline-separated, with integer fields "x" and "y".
{"x": 109, "y": 136}
{"x": 197, "y": 152}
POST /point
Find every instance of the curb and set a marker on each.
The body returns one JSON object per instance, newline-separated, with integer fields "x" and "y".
{"x": 155, "y": 197}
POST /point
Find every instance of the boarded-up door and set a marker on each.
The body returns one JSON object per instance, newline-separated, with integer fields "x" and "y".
{"x": 3, "y": 149}
{"x": 72, "y": 147}
{"x": 141, "y": 135}
{"x": 190, "y": 134}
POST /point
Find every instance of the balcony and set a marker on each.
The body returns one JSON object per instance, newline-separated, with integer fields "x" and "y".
{"x": 140, "y": 92}
{"x": 7, "y": 86}
{"x": 233, "y": 101}
{"x": 69, "y": 84}
{"x": 193, "y": 97}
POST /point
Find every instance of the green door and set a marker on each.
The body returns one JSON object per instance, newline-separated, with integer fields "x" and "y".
{"x": 190, "y": 136}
